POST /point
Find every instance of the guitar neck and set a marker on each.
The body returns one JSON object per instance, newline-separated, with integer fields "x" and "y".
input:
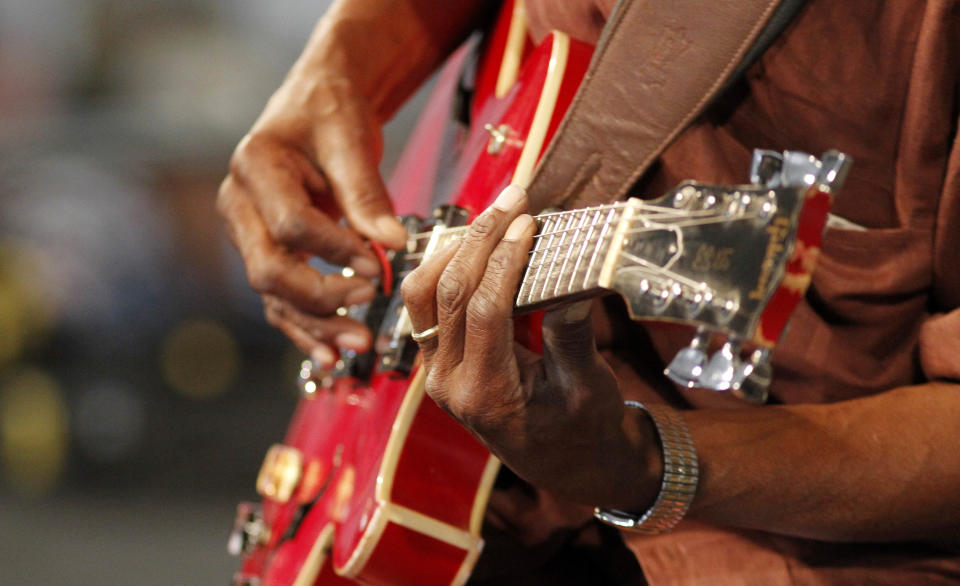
{"x": 568, "y": 255}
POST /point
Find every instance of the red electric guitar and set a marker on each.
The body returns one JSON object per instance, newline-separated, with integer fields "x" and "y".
{"x": 373, "y": 483}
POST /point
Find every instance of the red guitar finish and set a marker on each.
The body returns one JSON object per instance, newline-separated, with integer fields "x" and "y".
{"x": 387, "y": 488}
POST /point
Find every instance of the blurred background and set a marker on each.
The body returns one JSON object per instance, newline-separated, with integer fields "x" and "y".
{"x": 139, "y": 384}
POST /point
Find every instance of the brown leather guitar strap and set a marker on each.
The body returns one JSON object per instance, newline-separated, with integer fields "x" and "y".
{"x": 657, "y": 66}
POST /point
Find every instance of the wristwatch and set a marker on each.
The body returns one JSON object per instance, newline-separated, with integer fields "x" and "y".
{"x": 680, "y": 475}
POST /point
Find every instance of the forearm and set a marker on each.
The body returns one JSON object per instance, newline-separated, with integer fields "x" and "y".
{"x": 386, "y": 47}
{"x": 882, "y": 468}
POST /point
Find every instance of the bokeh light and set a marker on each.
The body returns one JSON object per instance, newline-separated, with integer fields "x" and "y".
{"x": 34, "y": 424}
{"x": 25, "y": 314}
{"x": 200, "y": 359}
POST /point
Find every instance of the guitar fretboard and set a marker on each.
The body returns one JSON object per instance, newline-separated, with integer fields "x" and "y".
{"x": 569, "y": 250}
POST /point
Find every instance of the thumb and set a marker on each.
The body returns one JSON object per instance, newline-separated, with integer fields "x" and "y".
{"x": 569, "y": 346}
{"x": 349, "y": 154}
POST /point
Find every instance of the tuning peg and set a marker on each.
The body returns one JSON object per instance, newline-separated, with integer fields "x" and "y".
{"x": 723, "y": 369}
{"x": 834, "y": 171}
{"x": 765, "y": 168}
{"x": 687, "y": 365}
{"x": 753, "y": 380}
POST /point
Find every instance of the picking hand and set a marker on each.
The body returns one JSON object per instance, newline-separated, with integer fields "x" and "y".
{"x": 310, "y": 160}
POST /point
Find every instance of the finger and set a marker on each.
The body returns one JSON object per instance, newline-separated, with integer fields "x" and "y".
{"x": 489, "y": 325}
{"x": 464, "y": 272}
{"x": 276, "y": 178}
{"x": 341, "y": 332}
{"x": 274, "y": 270}
{"x": 348, "y": 150}
{"x": 419, "y": 291}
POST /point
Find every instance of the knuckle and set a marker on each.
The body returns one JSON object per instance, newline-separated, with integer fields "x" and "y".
{"x": 472, "y": 412}
{"x": 436, "y": 388}
{"x": 264, "y": 275}
{"x": 367, "y": 197}
{"x": 290, "y": 228}
{"x": 227, "y": 198}
{"x": 224, "y": 193}
{"x": 272, "y": 317}
{"x": 247, "y": 150}
{"x": 413, "y": 289}
{"x": 484, "y": 308}
{"x": 452, "y": 290}
{"x": 499, "y": 263}
{"x": 484, "y": 225}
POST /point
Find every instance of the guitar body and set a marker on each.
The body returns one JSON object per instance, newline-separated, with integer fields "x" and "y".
{"x": 373, "y": 482}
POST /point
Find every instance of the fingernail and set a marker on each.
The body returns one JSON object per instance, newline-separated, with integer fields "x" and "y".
{"x": 359, "y": 295}
{"x": 518, "y": 228}
{"x": 352, "y": 341}
{"x": 509, "y": 198}
{"x": 322, "y": 356}
{"x": 365, "y": 266}
{"x": 392, "y": 232}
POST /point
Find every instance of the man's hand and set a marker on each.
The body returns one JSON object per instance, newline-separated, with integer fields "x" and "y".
{"x": 558, "y": 420}
{"x": 310, "y": 159}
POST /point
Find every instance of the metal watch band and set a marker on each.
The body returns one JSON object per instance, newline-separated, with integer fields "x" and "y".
{"x": 680, "y": 475}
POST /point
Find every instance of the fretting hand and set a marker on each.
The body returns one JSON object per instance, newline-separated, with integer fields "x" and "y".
{"x": 557, "y": 420}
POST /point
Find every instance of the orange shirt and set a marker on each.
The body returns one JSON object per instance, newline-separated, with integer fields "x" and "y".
{"x": 879, "y": 81}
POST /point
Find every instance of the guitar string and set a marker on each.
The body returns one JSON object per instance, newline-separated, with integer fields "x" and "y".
{"x": 642, "y": 206}
{"x": 681, "y": 224}
{"x": 684, "y": 219}
{"x": 657, "y": 218}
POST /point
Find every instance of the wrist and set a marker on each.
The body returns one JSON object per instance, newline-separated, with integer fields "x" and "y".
{"x": 385, "y": 48}
{"x": 680, "y": 475}
{"x": 644, "y": 461}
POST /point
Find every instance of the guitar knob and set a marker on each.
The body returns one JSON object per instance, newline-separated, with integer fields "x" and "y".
{"x": 686, "y": 367}
{"x": 313, "y": 377}
{"x": 249, "y": 530}
{"x": 723, "y": 369}
{"x": 753, "y": 384}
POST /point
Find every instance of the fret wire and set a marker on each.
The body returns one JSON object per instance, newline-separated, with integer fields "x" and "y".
{"x": 536, "y": 276}
{"x": 586, "y": 241}
{"x": 553, "y": 261}
{"x": 596, "y": 249}
{"x": 566, "y": 257}
{"x": 546, "y": 274}
{"x": 541, "y": 217}
{"x": 644, "y": 208}
{"x": 564, "y": 252}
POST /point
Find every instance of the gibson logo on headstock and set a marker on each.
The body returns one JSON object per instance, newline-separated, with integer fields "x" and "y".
{"x": 777, "y": 231}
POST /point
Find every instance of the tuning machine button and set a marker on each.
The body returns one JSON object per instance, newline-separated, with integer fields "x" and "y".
{"x": 686, "y": 367}
{"x": 752, "y": 383}
{"x": 249, "y": 530}
{"x": 723, "y": 369}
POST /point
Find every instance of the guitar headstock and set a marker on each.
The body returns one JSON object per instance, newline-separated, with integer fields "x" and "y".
{"x": 732, "y": 261}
